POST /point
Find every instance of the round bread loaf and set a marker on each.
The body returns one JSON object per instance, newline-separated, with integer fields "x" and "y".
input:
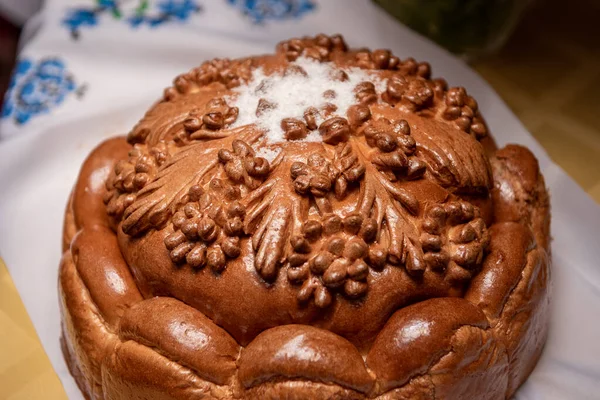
{"x": 318, "y": 223}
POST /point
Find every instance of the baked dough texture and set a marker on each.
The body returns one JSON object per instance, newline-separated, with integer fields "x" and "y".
{"x": 391, "y": 252}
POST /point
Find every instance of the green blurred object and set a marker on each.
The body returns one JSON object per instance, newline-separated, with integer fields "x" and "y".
{"x": 469, "y": 28}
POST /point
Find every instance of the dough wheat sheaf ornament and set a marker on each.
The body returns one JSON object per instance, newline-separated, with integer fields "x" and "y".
{"x": 317, "y": 223}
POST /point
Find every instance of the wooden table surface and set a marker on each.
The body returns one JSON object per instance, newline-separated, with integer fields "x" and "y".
{"x": 549, "y": 74}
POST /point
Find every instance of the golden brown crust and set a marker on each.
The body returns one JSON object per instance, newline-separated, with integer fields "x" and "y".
{"x": 69, "y": 227}
{"x": 300, "y": 351}
{"x": 416, "y": 337}
{"x": 300, "y": 390}
{"x": 182, "y": 334}
{"x": 85, "y": 334}
{"x": 519, "y": 192}
{"x": 133, "y": 371}
{"x": 519, "y": 261}
{"x": 429, "y": 280}
{"x": 455, "y": 349}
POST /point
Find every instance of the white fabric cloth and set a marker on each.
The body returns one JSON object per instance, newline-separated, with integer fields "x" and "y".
{"x": 18, "y": 11}
{"x": 119, "y": 71}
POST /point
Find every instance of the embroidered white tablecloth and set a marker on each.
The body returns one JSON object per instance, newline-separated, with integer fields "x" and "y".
{"x": 89, "y": 69}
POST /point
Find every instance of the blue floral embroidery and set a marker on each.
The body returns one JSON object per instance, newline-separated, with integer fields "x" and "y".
{"x": 168, "y": 10}
{"x": 35, "y": 88}
{"x": 260, "y": 11}
{"x": 80, "y": 17}
{"x": 75, "y": 19}
{"x": 145, "y": 13}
